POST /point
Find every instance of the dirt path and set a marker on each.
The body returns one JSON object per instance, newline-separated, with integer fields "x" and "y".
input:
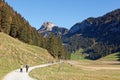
{"x": 90, "y": 67}
{"x": 17, "y": 75}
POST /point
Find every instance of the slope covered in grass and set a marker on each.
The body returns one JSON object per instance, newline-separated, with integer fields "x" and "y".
{"x": 14, "y": 52}
{"x": 112, "y": 57}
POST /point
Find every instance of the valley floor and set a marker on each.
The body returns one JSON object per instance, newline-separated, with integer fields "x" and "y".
{"x": 95, "y": 65}
{"x": 80, "y": 70}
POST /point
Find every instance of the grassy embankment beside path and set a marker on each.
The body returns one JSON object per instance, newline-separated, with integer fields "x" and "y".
{"x": 14, "y": 52}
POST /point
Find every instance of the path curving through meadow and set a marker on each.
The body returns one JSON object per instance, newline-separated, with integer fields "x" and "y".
{"x": 17, "y": 75}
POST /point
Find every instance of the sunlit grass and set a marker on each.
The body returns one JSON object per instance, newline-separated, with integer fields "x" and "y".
{"x": 112, "y": 57}
{"x": 68, "y": 72}
{"x": 81, "y": 69}
{"x": 14, "y": 52}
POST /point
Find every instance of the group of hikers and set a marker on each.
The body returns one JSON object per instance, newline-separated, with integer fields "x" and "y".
{"x": 26, "y": 66}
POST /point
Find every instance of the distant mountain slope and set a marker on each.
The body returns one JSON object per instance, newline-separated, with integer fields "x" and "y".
{"x": 97, "y": 36}
{"x": 48, "y": 27}
{"x": 107, "y": 22}
{"x": 14, "y": 52}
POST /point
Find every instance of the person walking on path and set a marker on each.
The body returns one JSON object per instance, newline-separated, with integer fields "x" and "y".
{"x": 21, "y": 68}
{"x": 27, "y": 66}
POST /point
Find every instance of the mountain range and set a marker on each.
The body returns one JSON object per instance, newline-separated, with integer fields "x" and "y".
{"x": 97, "y": 36}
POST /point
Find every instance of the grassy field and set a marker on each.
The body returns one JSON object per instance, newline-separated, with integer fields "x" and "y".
{"x": 67, "y": 72}
{"x": 14, "y": 52}
{"x": 107, "y": 68}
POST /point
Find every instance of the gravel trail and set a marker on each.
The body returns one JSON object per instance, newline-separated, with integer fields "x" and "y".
{"x": 17, "y": 75}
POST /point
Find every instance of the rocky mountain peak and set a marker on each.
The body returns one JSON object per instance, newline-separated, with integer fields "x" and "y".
{"x": 48, "y": 26}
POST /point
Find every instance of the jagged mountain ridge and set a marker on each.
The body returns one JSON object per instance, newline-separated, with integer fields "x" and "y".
{"x": 101, "y": 27}
{"x": 109, "y": 18}
{"x": 48, "y": 27}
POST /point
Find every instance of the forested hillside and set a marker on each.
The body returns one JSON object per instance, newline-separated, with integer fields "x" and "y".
{"x": 97, "y": 36}
{"x": 13, "y": 24}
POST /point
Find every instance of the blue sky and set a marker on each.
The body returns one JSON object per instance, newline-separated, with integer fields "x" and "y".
{"x": 64, "y": 13}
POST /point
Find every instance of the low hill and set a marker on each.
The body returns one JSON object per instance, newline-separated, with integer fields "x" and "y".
{"x": 112, "y": 57}
{"x": 14, "y": 52}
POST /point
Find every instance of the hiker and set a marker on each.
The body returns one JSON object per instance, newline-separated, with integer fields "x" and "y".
{"x": 21, "y": 68}
{"x": 27, "y": 66}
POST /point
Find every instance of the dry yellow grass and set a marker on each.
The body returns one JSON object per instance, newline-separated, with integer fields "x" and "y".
{"x": 14, "y": 52}
{"x": 67, "y": 72}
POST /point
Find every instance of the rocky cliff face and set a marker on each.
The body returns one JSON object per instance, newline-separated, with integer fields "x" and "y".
{"x": 48, "y": 27}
